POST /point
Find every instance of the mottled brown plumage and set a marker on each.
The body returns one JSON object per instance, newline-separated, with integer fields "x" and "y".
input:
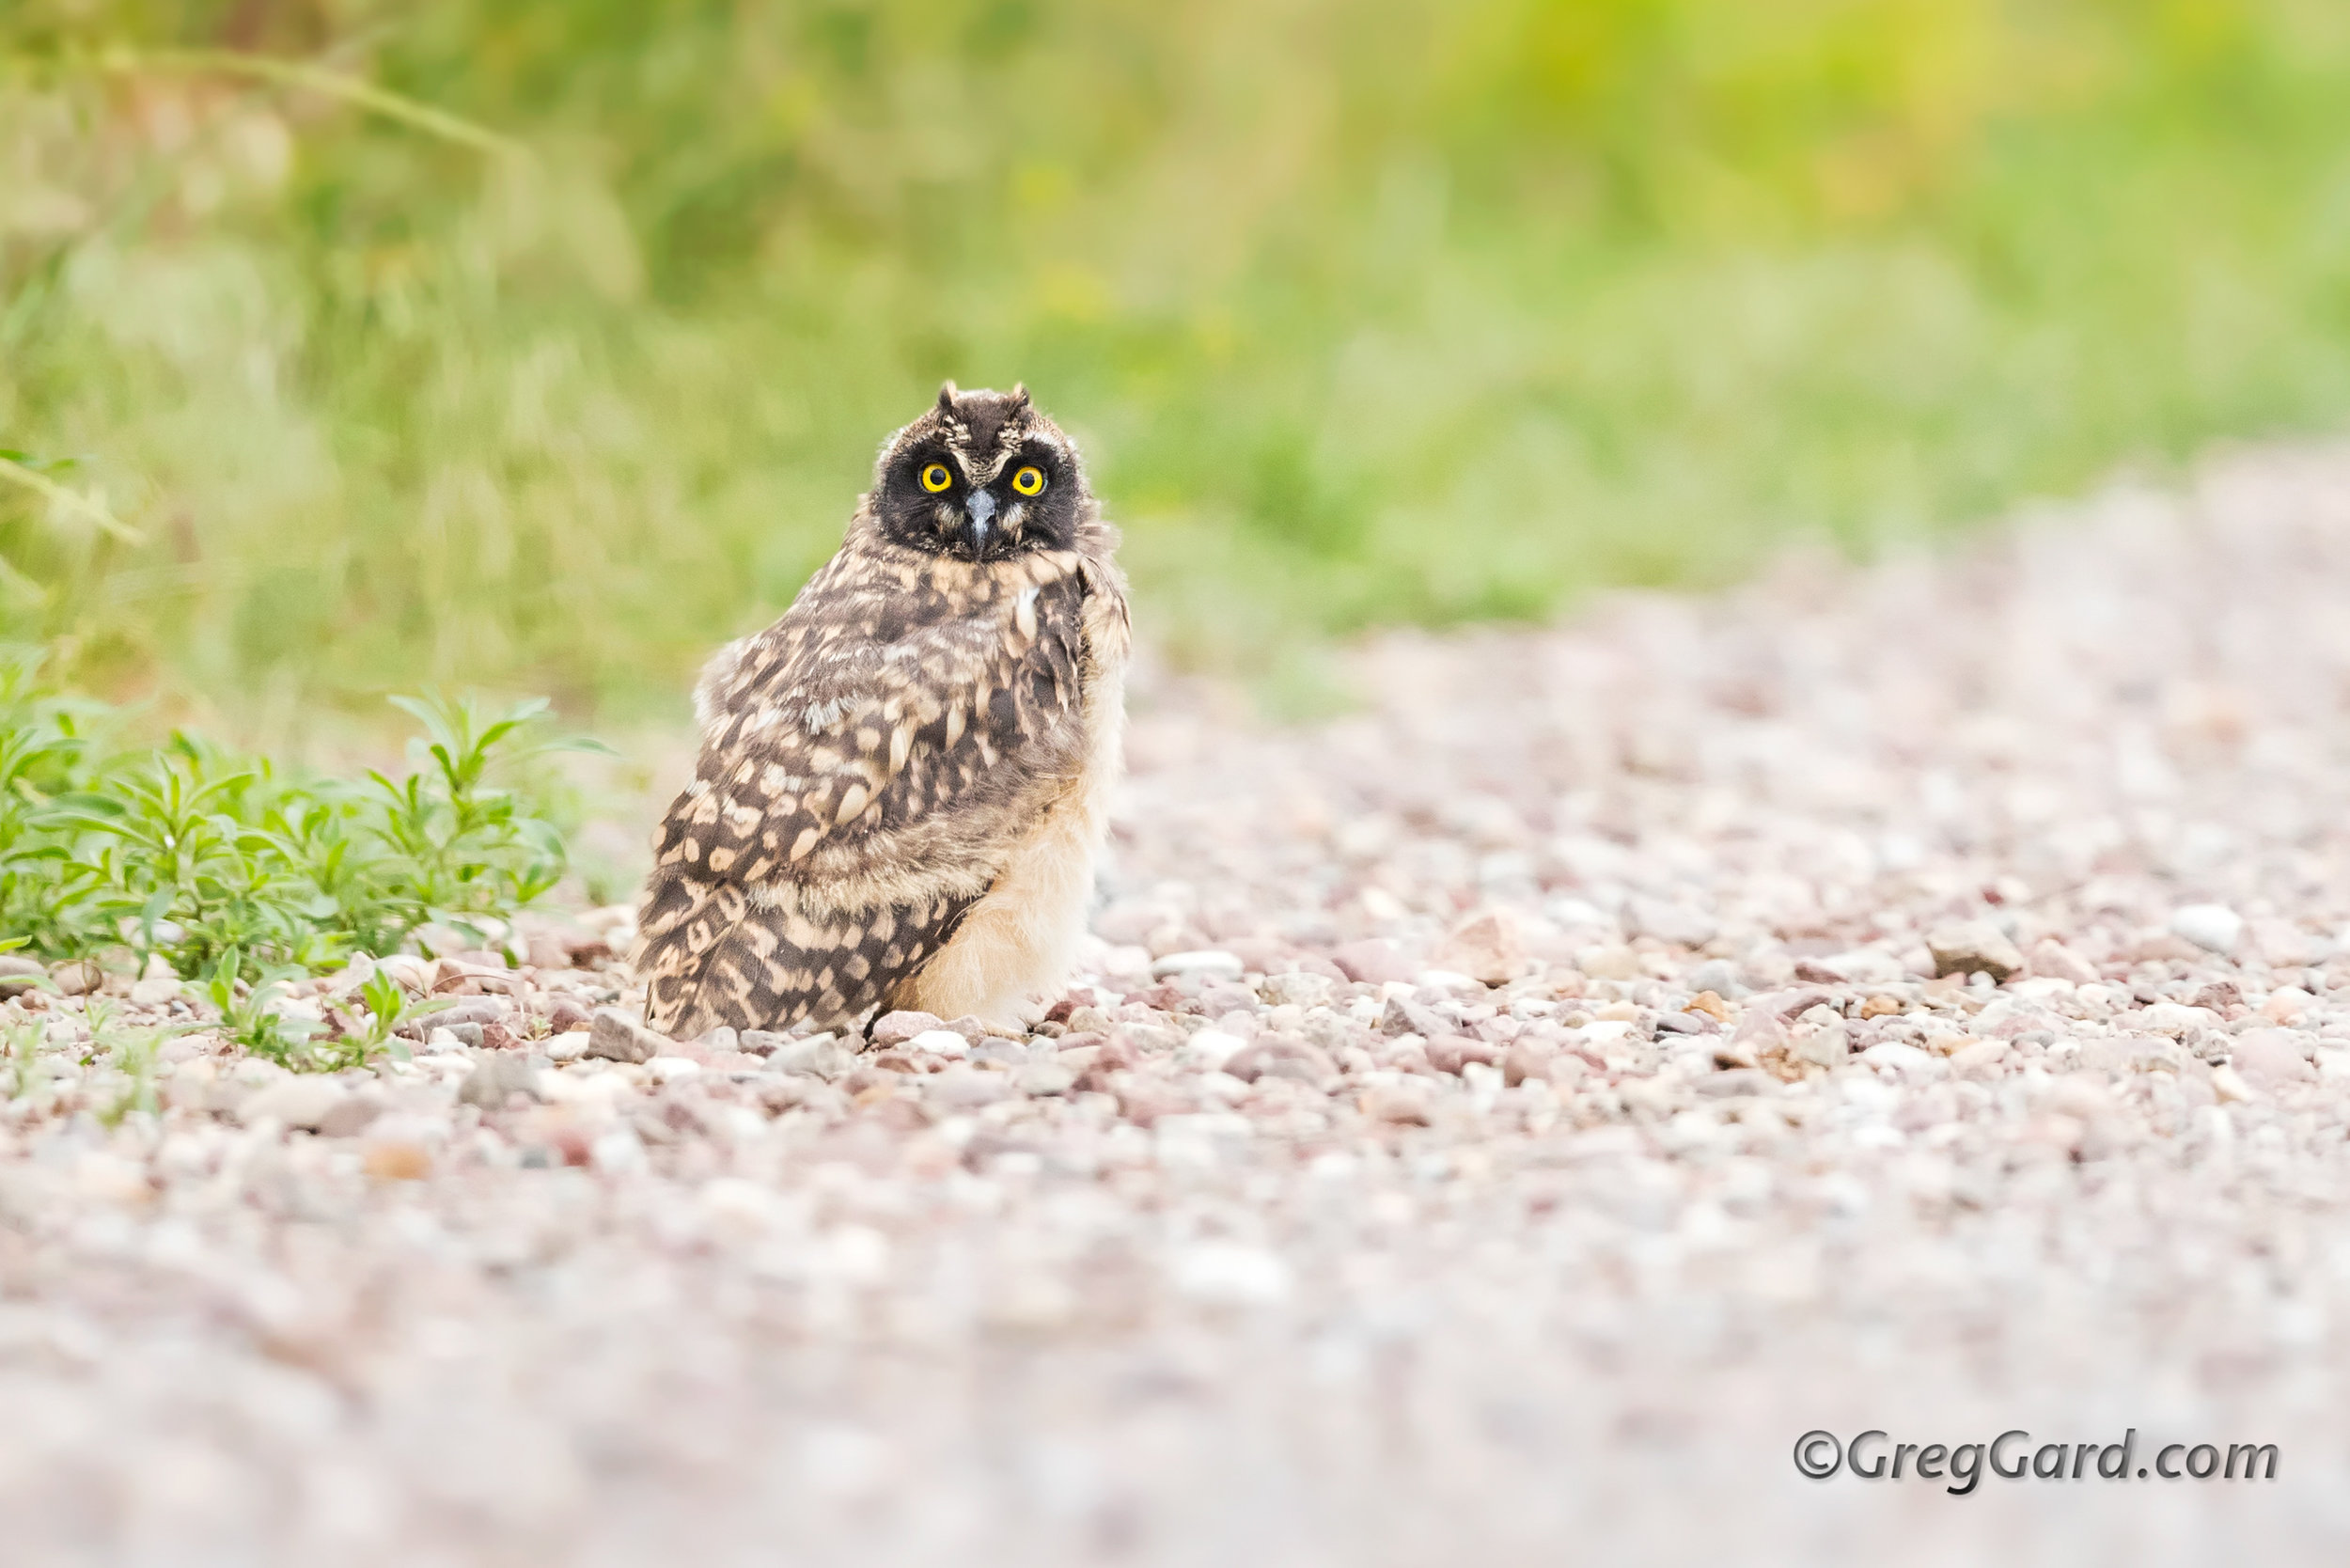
{"x": 903, "y": 781}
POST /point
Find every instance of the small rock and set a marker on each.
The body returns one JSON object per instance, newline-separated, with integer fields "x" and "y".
{"x": 495, "y": 1075}
{"x": 76, "y": 978}
{"x": 2177, "y": 1018}
{"x": 2050, "y": 959}
{"x": 1295, "y": 989}
{"x": 1277, "y": 1057}
{"x": 1611, "y": 961}
{"x": 397, "y": 1160}
{"x": 763, "y": 1042}
{"x": 723, "y": 1038}
{"x": 2269, "y": 1058}
{"x": 2229, "y": 1086}
{"x": 1373, "y": 961}
{"x": 1760, "y": 1029}
{"x": 1486, "y": 948}
{"x": 351, "y": 1117}
{"x": 614, "y": 1036}
{"x": 1717, "y": 976}
{"x": 1982, "y": 1059}
{"x": 1899, "y": 1057}
{"x": 1397, "y": 1104}
{"x": 951, "y": 1044}
{"x": 1452, "y": 1053}
{"x": 19, "y": 974}
{"x": 618, "y": 1152}
{"x": 819, "y": 1055}
{"x": 962, "y": 1088}
{"x": 568, "y": 1046}
{"x": 1737, "y": 1081}
{"x": 1202, "y": 962}
{"x": 1676, "y": 924}
{"x": 2287, "y": 1004}
{"x": 1827, "y": 1046}
{"x": 296, "y": 1101}
{"x": 895, "y": 1029}
{"x": 2212, "y": 927}
{"x": 1711, "y": 1004}
{"x": 669, "y": 1070}
{"x": 1044, "y": 1078}
{"x": 1970, "y": 946}
{"x": 1212, "y": 1048}
{"x": 155, "y": 991}
{"x": 1526, "y": 1059}
{"x": 468, "y": 1013}
{"x": 1403, "y": 1015}
{"x": 1735, "y": 1054}
{"x": 1230, "y": 1274}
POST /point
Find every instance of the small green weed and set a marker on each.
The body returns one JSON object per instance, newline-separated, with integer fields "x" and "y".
{"x": 21, "y": 1070}
{"x": 225, "y": 867}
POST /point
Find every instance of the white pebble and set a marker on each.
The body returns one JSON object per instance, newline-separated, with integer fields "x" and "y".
{"x": 2212, "y": 927}
{"x": 1204, "y": 962}
{"x": 1230, "y": 1274}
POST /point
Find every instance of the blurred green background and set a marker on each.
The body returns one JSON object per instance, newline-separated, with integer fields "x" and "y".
{"x": 1395, "y": 310}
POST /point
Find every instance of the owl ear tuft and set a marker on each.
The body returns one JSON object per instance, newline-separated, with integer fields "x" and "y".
{"x": 947, "y": 396}
{"x": 1019, "y": 394}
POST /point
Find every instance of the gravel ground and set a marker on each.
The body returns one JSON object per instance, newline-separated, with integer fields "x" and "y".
{"x": 1500, "y": 1122}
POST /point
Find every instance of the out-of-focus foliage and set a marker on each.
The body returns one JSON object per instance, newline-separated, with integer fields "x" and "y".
{"x": 218, "y": 863}
{"x": 1368, "y": 309}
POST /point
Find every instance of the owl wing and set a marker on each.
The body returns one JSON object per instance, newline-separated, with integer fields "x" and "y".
{"x": 866, "y": 763}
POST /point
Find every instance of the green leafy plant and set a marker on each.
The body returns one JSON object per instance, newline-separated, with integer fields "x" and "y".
{"x": 225, "y": 867}
{"x": 21, "y": 1070}
{"x": 247, "y": 1016}
{"x": 133, "y": 1053}
{"x": 385, "y": 1007}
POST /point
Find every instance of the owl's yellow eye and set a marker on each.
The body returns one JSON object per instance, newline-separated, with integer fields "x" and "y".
{"x": 1029, "y": 480}
{"x": 936, "y": 478}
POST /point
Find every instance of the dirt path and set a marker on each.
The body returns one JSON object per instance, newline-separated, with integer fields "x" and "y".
{"x": 1312, "y": 1248}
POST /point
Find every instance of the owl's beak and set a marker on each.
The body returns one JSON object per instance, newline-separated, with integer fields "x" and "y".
{"x": 981, "y": 511}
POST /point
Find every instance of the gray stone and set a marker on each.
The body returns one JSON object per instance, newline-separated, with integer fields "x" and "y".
{"x": 1044, "y": 1078}
{"x": 349, "y": 1116}
{"x": 19, "y": 974}
{"x": 965, "y": 1088}
{"x": 295, "y": 1102}
{"x": 614, "y": 1036}
{"x": 1719, "y": 975}
{"x": 819, "y": 1055}
{"x": 495, "y": 1075}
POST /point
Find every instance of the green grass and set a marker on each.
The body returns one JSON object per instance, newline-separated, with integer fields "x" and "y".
{"x": 1369, "y": 312}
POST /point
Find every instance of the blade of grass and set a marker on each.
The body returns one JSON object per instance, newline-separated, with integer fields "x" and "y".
{"x": 41, "y": 484}
{"x": 295, "y": 73}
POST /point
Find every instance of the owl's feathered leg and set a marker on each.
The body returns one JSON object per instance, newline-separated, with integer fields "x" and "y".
{"x": 731, "y": 961}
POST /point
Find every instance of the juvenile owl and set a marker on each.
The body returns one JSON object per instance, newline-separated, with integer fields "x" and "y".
{"x": 904, "y": 781}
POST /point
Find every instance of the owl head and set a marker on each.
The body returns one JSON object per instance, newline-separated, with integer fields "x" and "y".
{"x": 981, "y": 476}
